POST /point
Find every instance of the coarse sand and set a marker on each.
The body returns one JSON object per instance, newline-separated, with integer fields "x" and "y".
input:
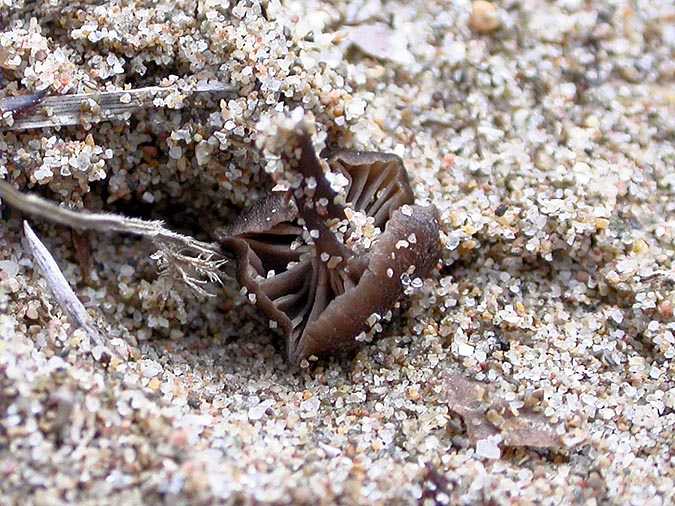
{"x": 536, "y": 364}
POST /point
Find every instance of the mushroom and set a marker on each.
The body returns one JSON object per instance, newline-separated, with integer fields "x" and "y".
{"x": 296, "y": 263}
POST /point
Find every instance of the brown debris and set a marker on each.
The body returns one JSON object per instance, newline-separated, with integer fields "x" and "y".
{"x": 487, "y": 415}
{"x": 83, "y": 254}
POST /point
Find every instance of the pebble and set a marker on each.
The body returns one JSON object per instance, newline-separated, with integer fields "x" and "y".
{"x": 665, "y": 309}
{"x": 484, "y": 17}
{"x": 150, "y": 368}
{"x": 489, "y": 448}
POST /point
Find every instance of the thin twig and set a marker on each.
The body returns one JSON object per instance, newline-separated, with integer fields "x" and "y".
{"x": 63, "y": 294}
{"x": 101, "y": 222}
{"x": 63, "y": 110}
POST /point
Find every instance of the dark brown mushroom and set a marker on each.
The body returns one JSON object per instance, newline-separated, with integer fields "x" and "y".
{"x": 305, "y": 277}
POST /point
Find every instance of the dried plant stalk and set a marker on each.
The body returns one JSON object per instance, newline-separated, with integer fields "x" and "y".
{"x": 63, "y": 294}
{"x": 179, "y": 255}
{"x": 81, "y": 108}
{"x": 101, "y": 222}
{"x": 194, "y": 271}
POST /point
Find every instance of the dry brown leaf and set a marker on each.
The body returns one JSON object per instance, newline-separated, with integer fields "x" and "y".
{"x": 487, "y": 415}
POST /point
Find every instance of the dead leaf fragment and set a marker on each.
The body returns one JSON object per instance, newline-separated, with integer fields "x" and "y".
{"x": 486, "y": 415}
{"x": 380, "y": 41}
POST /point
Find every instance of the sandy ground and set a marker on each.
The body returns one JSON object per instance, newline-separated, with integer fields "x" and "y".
{"x": 534, "y": 367}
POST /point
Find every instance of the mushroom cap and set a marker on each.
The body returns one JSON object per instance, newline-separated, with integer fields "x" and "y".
{"x": 261, "y": 242}
{"x": 321, "y": 305}
{"x": 378, "y": 182}
{"x": 379, "y": 287}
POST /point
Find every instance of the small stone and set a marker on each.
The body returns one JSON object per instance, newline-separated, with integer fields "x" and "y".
{"x": 32, "y": 313}
{"x": 501, "y": 210}
{"x": 582, "y": 276}
{"x": 179, "y": 438}
{"x": 591, "y": 121}
{"x": 640, "y": 247}
{"x": 488, "y": 448}
{"x": 665, "y": 309}
{"x": 484, "y": 17}
{"x": 258, "y": 411}
{"x": 150, "y": 368}
{"x": 380, "y": 41}
{"x": 9, "y": 267}
{"x": 203, "y": 153}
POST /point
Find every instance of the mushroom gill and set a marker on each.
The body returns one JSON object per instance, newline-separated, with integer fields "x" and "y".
{"x": 296, "y": 263}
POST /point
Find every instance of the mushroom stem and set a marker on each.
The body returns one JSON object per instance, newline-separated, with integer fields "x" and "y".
{"x": 310, "y": 167}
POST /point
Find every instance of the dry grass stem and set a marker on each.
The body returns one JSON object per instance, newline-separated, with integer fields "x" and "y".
{"x": 64, "y": 110}
{"x": 63, "y": 294}
{"x": 101, "y": 222}
{"x": 195, "y": 262}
